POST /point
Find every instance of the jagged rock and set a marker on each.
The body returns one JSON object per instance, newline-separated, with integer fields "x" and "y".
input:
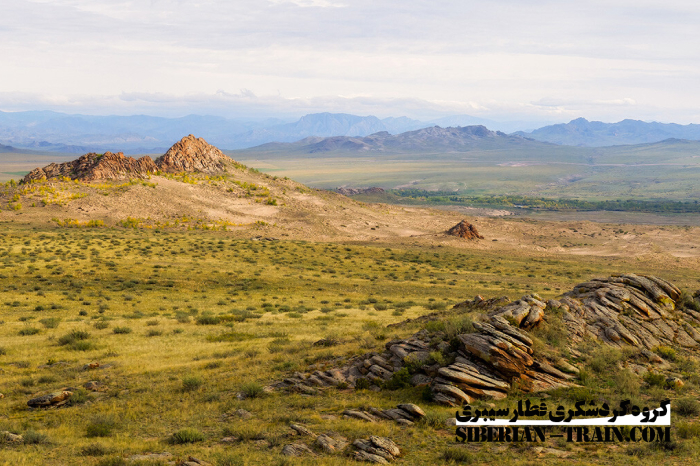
{"x": 464, "y": 230}
{"x": 192, "y": 154}
{"x": 52, "y": 399}
{"x": 91, "y": 167}
{"x": 359, "y": 415}
{"x": 301, "y": 430}
{"x": 361, "y": 455}
{"x": 331, "y": 443}
{"x": 381, "y": 447}
{"x": 413, "y": 410}
{"x": 297, "y": 449}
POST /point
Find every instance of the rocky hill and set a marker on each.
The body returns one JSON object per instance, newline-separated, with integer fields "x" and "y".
{"x": 190, "y": 155}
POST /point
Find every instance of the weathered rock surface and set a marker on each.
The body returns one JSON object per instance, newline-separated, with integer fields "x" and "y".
{"x": 51, "y": 399}
{"x": 90, "y": 167}
{"x": 375, "y": 450}
{"x": 190, "y": 154}
{"x": 331, "y": 442}
{"x": 464, "y": 230}
{"x": 297, "y": 449}
{"x": 404, "y": 414}
{"x": 628, "y": 309}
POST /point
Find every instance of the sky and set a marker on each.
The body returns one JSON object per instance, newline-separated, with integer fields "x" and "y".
{"x": 538, "y": 60}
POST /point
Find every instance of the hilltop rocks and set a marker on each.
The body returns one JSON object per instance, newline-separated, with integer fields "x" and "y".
{"x": 192, "y": 154}
{"x": 464, "y": 230}
{"x": 90, "y": 167}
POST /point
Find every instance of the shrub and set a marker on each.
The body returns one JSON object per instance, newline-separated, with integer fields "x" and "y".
{"x": 186, "y": 436}
{"x": 362, "y": 384}
{"x": 654, "y": 379}
{"x": 253, "y": 390}
{"x": 208, "y": 320}
{"x": 100, "y": 426}
{"x": 79, "y": 397}
{"x": 72, "y": 337}
{"x": 191, "y": 383}
{"x": 32, "y": 437}
{"x": 26, "y": 331}
{"x": 94, "y": 449}
{"x": 605, "y": 359}
{"x": 50, "y": 322}
{"x": 400, "y": 379}
{"x": 101, "y": 325}
{"x": 433, "y": 420}
{"x": 121, "y": 330}
{"x": 687, "y": 407}
{"x": 666, "y": 352}
{"x": 3, "y": 351}
{"x": 458, "y": 455}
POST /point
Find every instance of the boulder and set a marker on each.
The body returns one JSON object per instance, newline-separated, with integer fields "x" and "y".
{"x": 464, "y": 230}
{"x": 297, "y": 449}
{"x": 50, "y": 400}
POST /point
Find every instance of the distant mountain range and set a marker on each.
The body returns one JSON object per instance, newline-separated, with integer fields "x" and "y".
{"x": 581, "y": 132}
{"x": 52, "y": 131}
{"x": 424, "y": 140}
{"x": 141, "y": 134}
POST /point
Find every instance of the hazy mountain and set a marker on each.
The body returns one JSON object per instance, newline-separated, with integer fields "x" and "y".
{"x": 425, "y": 140}
{"x": 581, "y": 132}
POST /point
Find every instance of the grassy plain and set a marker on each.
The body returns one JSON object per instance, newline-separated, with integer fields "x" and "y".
{"x": 664, "y": 170}
{"x": 182, "y": 322}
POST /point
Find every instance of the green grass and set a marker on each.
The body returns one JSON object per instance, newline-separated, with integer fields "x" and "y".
{"x": 264, "y": 302}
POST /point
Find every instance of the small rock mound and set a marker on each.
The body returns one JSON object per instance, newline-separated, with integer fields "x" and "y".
{"x": 51, "y": 400}
{"x": 91, "y": 167}
{"x": 192, "y": 154}
{"x": 464, "y": 230}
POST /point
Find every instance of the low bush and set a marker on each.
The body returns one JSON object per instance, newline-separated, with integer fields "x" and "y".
{"x": 186, "y": 436}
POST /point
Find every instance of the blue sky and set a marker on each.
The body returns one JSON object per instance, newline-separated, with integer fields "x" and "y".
{"x": 498, "y": 59}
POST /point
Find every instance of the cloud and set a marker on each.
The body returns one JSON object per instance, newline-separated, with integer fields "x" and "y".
{"x": 490, "y": 58}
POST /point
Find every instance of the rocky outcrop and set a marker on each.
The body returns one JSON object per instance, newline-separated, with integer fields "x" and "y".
{"x": 622, "y": 310}
{"x": 375, "y": 450}
{"x": 464, "y": 230}
{"x": 484, "y": 364}
{"x": 91, "y": 167}
{"x": 405, "y": 414}
{"x": 629, "y": 309}
{"x": 51, "y": 400}
{"x": 345, "y": 191}
{"x": 192, "y": 154}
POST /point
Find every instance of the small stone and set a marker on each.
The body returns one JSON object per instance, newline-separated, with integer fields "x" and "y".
{"x": 192, "y": 461}
{"x": 9, "y": 437}
{"x": 91, "y": 366}
{"x": 451, "y": 422}
{"x": 151, "y": 456}
{"x": 361, "y": 455}
{"x": 243, "y": 414}
{"x": 404, "y": 422}
{"x": 94, "y": 386}
{"x": 301, "y": 430}
{"x": 413, "y": 410}
{"x": 331, "y": 444}
{"x": 229, "y": 440}
{"x": 674, "y": 382}
{"x": 52, "y": 399}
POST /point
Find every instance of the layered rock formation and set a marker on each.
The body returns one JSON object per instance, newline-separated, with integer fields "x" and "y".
{"x": 636, "y": 310}
{"x": 190, "y": 155}
{"x": 90, "y": 167}
{"x": 464, "y": 230}
{"x": 628, "y": 309}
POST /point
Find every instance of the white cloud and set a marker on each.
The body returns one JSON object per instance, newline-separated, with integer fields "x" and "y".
{"x": 488, "y": 58}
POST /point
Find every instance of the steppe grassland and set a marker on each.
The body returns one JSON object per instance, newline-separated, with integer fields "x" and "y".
{"x": 183, "y": 321}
